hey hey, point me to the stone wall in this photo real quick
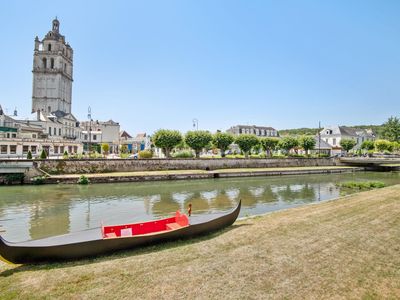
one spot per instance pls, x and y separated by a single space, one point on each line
130 165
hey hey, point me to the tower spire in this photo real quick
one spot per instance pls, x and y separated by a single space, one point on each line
56 25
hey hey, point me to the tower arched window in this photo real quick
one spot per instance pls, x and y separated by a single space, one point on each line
52 63
49 47
44 62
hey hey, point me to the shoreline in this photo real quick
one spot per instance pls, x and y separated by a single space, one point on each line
333 249
197 174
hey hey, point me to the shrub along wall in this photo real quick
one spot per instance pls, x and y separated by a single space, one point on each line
130 165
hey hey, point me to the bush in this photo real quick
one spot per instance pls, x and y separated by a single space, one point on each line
145 154
83 180
363 185
65 154
38 180
43 154
383 145
29 155
183 154
14 177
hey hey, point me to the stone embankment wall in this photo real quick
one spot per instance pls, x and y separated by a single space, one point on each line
130 165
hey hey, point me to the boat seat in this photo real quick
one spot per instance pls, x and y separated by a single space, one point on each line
126 232
172 226
111 235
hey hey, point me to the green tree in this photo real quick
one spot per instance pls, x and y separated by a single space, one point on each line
197 140
65 154
43 154
368 145
105 147
391 129
347 144
166 140
396 146
222 140
124 149
287 143
246 142
269 144
383 145
307 143
29 155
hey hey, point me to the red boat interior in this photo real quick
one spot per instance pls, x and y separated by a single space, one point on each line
126 230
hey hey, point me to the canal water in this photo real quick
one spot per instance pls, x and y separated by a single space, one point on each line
33 212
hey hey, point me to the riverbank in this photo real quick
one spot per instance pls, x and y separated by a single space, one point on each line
197 174
346 248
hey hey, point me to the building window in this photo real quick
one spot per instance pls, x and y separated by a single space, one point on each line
49 47
49 130
25 149
55 149
334 141
13 135
3 149
49 108
55 131
59 131
61 149
94 137
33 149
34 136
52 63
13 149
70 149
44 60
76 149
85 137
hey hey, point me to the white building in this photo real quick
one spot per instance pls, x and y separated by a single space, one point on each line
260 131
334 134
96 133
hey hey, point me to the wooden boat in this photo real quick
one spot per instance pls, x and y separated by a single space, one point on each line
108 239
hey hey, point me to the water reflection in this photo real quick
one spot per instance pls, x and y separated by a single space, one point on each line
31 212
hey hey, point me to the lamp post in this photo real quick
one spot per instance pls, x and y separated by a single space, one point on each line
195 124
319 139
90 129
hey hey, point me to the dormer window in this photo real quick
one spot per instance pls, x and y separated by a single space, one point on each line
49 47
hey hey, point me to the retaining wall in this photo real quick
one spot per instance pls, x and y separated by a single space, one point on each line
129 165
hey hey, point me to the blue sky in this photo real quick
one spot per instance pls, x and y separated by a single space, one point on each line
159 64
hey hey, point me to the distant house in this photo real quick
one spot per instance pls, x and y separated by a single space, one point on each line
135 144
334 134
260 131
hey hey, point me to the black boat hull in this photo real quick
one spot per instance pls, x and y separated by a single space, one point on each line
29 252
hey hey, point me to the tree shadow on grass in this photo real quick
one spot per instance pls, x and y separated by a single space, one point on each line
120 254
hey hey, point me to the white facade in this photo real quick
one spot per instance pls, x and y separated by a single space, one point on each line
260 131
334 134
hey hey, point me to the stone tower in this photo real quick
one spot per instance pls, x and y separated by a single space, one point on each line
52 73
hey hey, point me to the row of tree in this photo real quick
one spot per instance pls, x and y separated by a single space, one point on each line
198 140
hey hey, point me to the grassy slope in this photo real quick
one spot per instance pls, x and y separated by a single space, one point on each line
348 248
